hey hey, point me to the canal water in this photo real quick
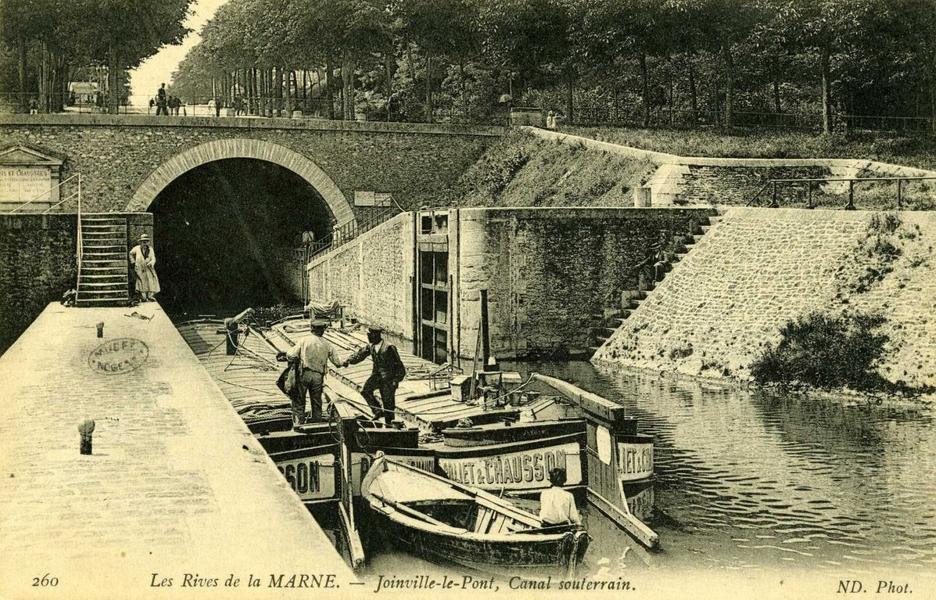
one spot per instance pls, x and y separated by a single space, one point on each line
750 481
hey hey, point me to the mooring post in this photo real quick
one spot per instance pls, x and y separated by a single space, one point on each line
485 339
86 428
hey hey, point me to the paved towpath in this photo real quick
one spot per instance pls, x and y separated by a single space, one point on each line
176 485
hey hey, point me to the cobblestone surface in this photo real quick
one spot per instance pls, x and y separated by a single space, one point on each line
176 484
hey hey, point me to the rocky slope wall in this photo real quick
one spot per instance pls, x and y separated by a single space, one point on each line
757 269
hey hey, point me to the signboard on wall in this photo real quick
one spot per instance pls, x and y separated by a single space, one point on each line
19 184
369 198
28 175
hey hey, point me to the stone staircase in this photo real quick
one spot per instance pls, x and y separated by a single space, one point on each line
606 323
103 277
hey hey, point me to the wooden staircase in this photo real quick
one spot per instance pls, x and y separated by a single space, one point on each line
606 323
104 271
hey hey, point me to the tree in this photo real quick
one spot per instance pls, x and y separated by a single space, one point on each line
124 32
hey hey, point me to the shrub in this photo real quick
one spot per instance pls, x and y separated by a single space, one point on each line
825 352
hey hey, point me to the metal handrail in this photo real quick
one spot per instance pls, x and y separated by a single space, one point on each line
850 205
350 230
80 242
48 192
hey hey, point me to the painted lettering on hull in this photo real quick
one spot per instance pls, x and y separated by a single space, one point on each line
312 478
516 470
635 461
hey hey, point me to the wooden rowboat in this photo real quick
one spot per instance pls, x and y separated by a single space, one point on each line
444 521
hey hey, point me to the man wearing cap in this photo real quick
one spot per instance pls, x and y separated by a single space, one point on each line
387 374
143 260
313 354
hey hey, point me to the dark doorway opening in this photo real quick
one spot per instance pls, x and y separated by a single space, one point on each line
228 235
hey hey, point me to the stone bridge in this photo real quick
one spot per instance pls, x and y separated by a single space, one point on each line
126 160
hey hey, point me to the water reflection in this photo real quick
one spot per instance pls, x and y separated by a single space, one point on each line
747 480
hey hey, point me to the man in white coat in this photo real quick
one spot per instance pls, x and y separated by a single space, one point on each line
143 260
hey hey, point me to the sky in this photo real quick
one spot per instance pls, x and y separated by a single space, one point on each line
157 69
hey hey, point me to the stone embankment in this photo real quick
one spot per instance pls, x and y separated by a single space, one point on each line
757 269
674 179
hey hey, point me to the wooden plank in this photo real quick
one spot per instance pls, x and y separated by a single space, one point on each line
353 539
633 526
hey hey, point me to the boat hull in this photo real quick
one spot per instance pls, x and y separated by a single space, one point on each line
551 555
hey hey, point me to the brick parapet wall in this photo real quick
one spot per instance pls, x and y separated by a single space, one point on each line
419 165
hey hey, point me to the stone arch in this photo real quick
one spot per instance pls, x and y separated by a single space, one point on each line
242 148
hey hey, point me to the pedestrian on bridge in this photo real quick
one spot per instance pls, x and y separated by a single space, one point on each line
387 373
143 261
162 101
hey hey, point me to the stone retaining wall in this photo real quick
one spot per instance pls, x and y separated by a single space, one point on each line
757 269
38 264
548 271
371 276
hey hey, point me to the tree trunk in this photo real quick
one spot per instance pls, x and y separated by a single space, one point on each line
570 96
329 90
729 85
429 110
693 97
826 95
645 89
347 87
43 78
388 71
464 89
113 95
21 72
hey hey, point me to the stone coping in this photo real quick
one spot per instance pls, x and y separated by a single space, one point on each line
709 161
310 124
176 483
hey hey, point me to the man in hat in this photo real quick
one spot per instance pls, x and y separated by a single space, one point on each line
143 260
313 354
387 373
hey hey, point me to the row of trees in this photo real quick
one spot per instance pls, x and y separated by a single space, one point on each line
639 61
45 42
640 58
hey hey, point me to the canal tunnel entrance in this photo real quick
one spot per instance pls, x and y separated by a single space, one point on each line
229 233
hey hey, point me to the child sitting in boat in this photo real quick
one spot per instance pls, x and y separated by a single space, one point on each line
557 506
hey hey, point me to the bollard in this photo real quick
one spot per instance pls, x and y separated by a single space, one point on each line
100 329
86 428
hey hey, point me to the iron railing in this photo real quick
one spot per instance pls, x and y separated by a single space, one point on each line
810 183
342 234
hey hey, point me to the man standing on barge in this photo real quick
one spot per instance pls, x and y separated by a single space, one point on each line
313 354
387 374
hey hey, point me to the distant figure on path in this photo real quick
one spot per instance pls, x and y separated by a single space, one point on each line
143 260
557 506
313 354
387 373
162 101
33 106
217 102
551 121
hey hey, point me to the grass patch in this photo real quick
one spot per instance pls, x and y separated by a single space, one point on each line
826 352
524 170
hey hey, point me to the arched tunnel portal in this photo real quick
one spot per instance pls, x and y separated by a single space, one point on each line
229 233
